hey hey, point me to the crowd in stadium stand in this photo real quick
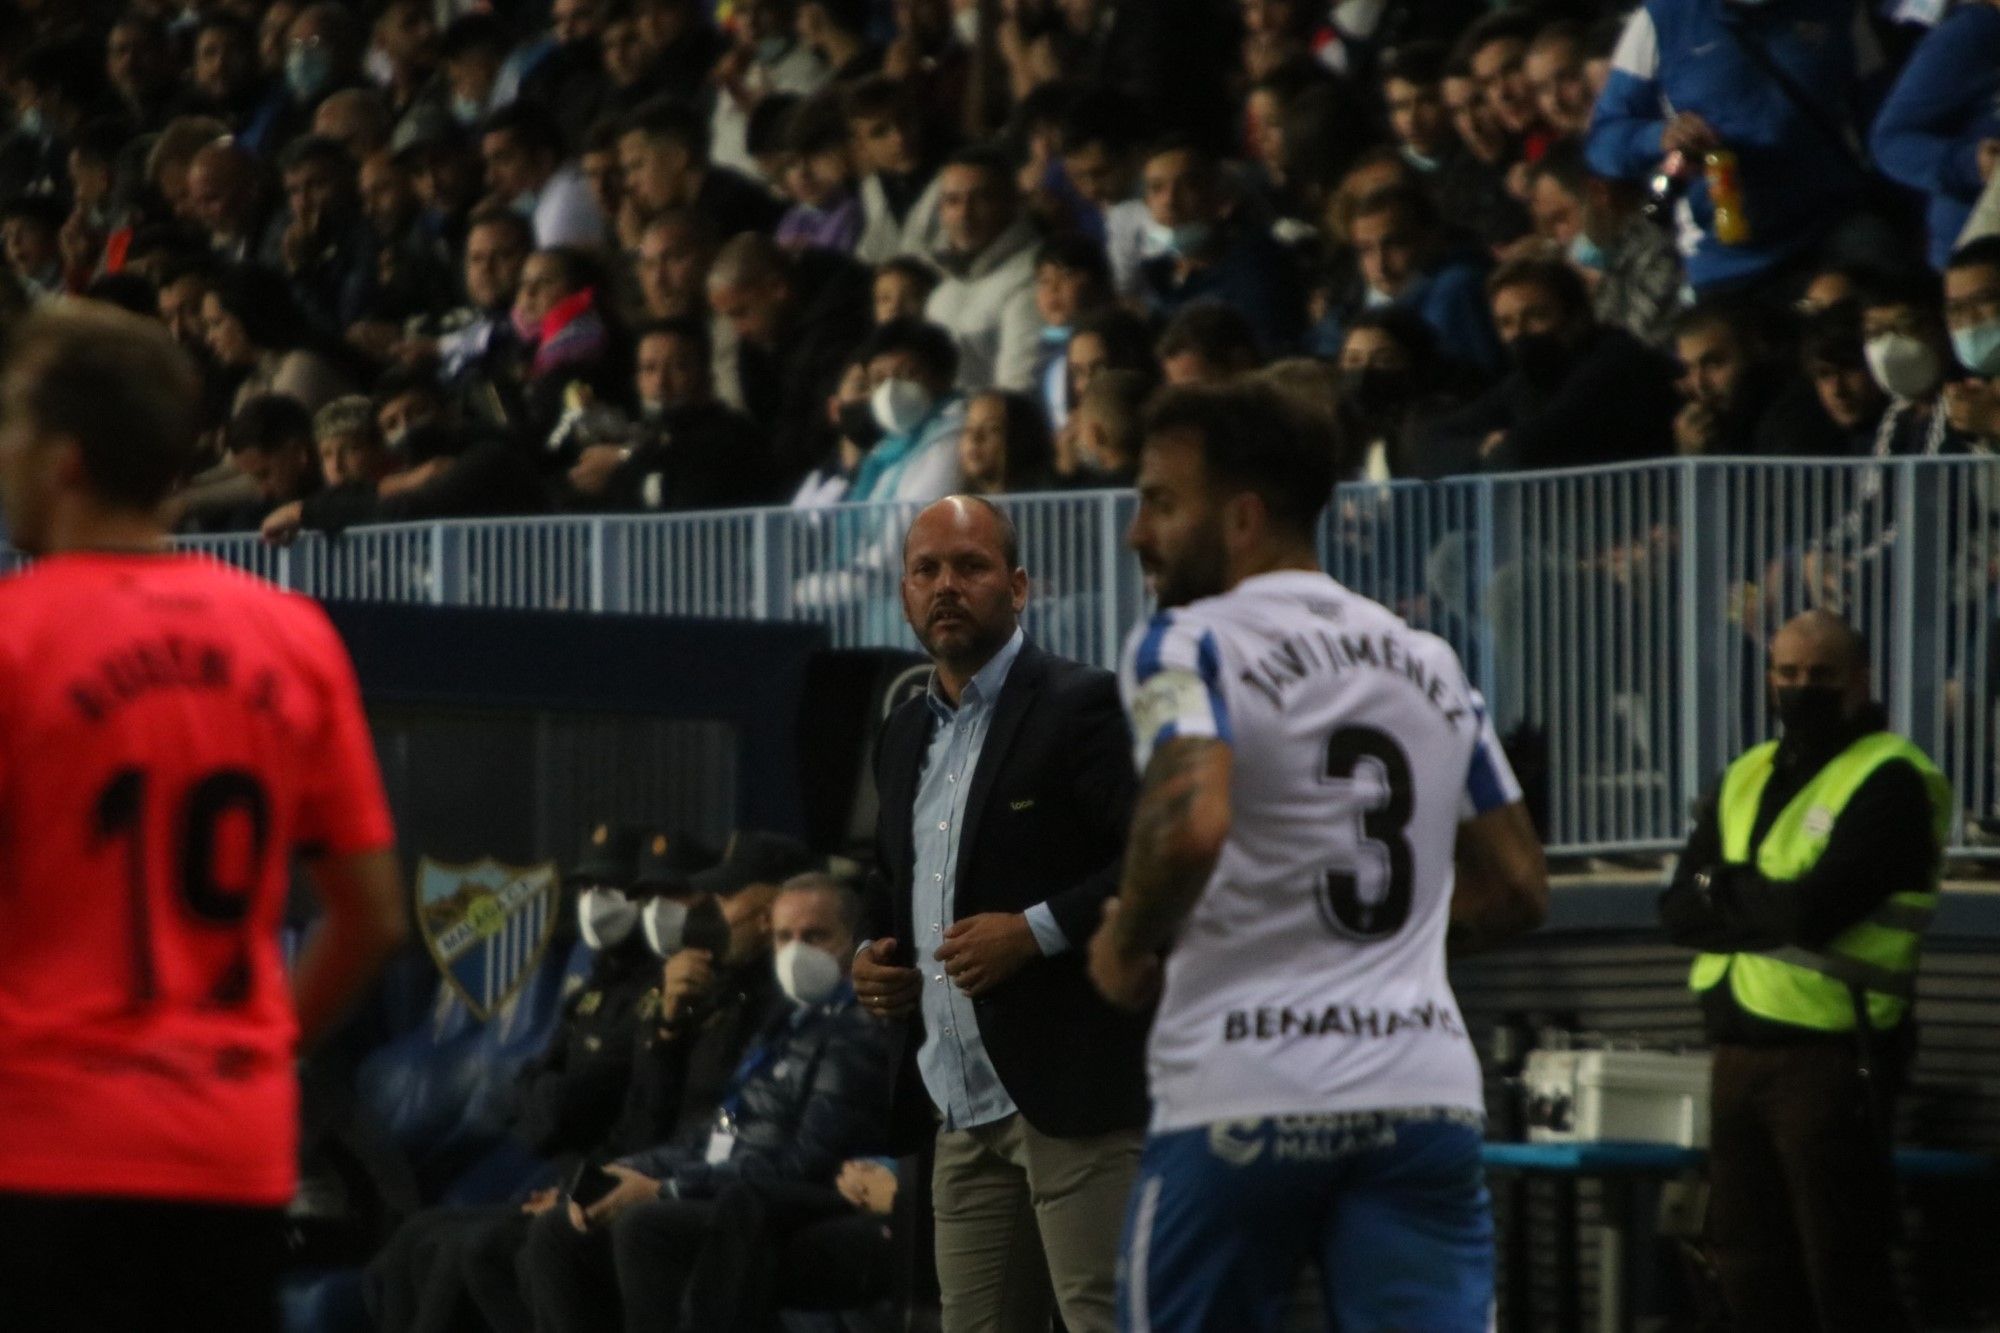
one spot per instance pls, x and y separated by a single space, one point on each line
442 258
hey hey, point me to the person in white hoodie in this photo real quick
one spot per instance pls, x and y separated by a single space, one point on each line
987 298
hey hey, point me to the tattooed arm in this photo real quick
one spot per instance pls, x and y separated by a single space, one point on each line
1178 828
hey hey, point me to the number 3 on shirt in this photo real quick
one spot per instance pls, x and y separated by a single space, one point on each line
120 812
1379 842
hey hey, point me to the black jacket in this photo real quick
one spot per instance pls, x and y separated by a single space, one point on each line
821 1097
569 1095
787 384
680 1072
1613 402
1045 821
1880 845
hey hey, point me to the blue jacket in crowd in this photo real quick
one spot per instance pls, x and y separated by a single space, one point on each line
1928 131
1451 299
1797 177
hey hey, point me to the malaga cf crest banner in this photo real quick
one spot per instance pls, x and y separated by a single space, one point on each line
486 924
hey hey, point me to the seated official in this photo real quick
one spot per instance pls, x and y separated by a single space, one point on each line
811 1091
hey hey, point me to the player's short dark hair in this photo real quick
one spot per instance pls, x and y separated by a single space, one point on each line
268 422
929 343
1252 439
118 385
672 120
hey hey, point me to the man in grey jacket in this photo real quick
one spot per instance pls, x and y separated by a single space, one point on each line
987 298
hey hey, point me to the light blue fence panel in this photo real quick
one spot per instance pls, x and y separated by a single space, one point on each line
1617 619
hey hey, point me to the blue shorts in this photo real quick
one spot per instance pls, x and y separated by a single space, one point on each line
1391 1205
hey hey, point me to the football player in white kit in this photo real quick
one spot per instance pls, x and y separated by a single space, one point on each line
1324 799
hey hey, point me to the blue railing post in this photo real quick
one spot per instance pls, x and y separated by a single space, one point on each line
1706 693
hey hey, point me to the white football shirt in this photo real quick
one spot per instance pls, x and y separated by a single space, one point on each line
1310 975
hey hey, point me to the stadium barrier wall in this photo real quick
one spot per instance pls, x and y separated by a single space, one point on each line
1615 618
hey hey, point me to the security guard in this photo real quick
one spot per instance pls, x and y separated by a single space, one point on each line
1807 883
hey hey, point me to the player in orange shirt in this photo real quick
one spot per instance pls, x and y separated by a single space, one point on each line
171 733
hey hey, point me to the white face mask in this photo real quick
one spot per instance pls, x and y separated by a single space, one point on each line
1903 365
806 975
900 405
605 917
665 923
965 22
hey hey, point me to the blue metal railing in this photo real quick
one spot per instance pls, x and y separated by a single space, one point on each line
1618 615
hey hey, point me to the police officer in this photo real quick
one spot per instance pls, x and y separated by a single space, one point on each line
1807 883
567 1097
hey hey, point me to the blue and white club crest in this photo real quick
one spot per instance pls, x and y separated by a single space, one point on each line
486 925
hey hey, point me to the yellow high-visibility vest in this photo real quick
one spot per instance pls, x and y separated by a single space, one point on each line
1810 988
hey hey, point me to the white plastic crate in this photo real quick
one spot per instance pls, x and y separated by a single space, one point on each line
1627 1096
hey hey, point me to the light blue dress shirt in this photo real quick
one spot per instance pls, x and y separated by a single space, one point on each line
956 1071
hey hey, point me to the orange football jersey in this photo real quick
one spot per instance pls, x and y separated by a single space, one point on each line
171 732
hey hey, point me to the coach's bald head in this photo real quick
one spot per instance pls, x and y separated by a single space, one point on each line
963 587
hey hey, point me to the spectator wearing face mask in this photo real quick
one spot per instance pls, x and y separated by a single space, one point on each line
472 53
851 416
1630 265
1392 383
1939 128
1576 394
1405 259
1972 314
912 368
1908 351
686 450
811 1091
1200 251
565 1097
